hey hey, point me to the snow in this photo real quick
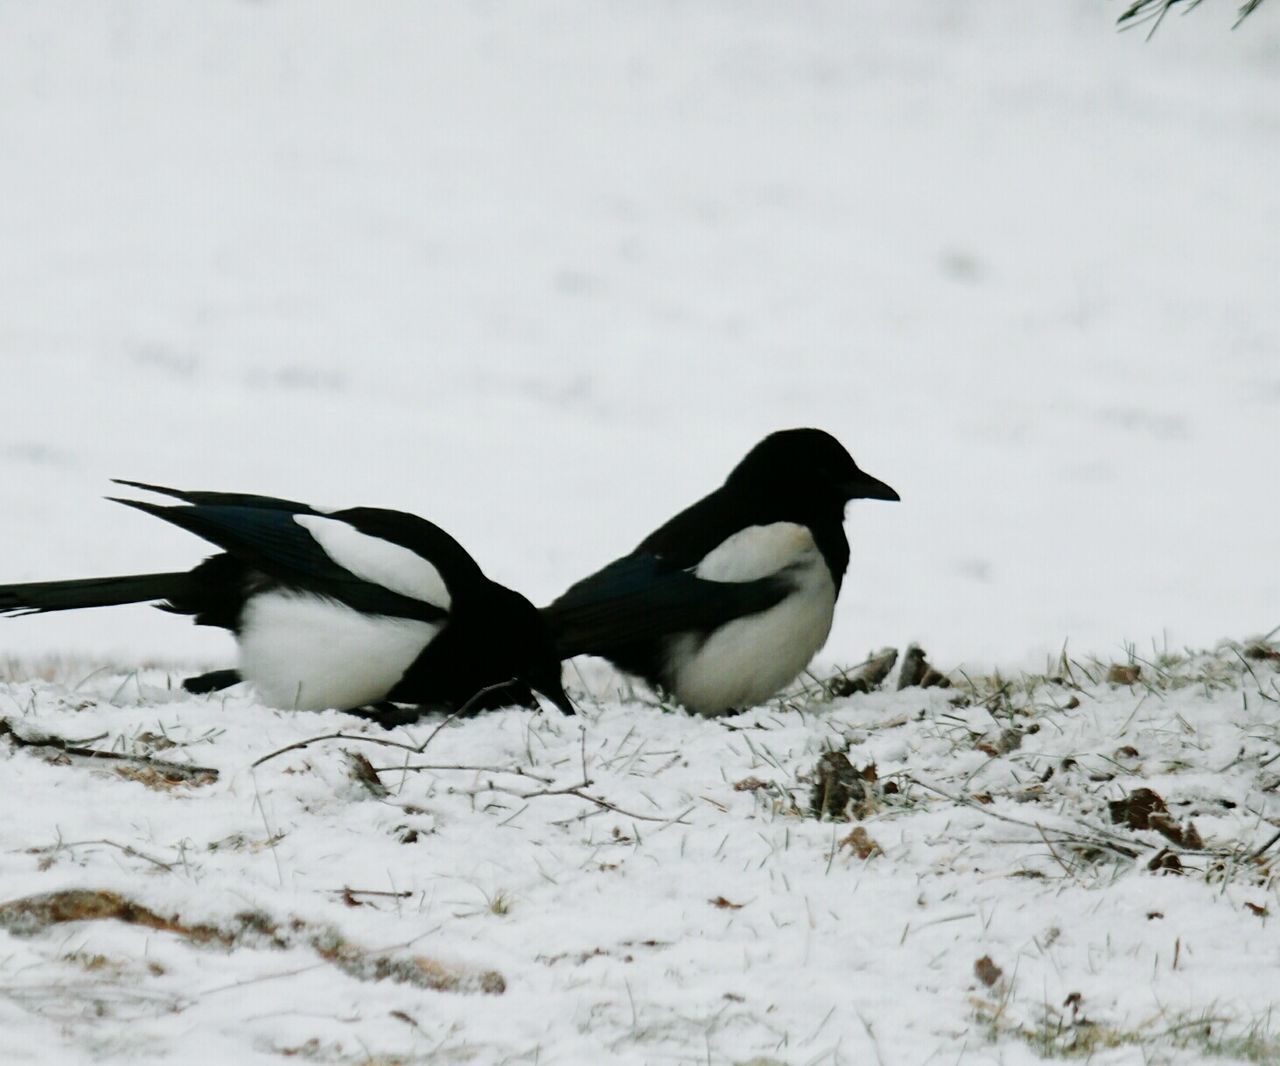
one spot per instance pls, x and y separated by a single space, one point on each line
704 915
543 274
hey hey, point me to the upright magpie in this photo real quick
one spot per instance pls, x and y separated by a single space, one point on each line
727 602
343 609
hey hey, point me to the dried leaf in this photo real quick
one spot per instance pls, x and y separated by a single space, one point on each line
838 789
158 741
862 843
1006 741
934 678
1135 809
1124 674
725 905
840 687
31 915
867 677
163 780
361 770
987 971
1185 836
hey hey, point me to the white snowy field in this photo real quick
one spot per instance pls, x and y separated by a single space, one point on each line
487 904
543 273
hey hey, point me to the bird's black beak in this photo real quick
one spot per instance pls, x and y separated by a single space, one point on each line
865 487
554 691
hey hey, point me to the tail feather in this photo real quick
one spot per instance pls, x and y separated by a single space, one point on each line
217 499
42 596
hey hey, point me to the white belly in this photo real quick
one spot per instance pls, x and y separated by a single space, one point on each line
748 660
305 652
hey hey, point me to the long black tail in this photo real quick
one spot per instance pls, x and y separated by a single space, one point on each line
92 592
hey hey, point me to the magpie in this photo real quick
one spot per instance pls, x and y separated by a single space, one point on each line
344 609
727 602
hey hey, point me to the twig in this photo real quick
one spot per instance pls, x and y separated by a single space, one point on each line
1053 852
297 745
1258 851
370 892
128 849
448 718
164 766
576 792
1154 11
272 839
416 749
1102 840
518 771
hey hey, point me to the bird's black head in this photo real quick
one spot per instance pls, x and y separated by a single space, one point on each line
521 646
807 465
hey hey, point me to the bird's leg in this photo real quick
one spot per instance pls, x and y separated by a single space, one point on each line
390 715
491 698
215 681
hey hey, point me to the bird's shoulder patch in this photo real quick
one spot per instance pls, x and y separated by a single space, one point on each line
380 562
758 551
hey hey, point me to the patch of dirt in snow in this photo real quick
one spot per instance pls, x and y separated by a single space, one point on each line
1079 862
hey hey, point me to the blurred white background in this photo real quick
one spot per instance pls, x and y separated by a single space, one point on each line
542 273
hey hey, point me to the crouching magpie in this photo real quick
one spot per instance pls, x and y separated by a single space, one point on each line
726 603
333 609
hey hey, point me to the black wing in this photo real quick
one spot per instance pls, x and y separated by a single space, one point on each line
642 597
407 530
267 539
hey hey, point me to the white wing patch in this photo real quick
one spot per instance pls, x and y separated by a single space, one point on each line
756 552
308 653
378 561
746 661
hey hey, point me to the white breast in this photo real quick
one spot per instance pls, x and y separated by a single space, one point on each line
748 660
306 652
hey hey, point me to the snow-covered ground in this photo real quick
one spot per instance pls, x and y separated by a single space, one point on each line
542 273
692 910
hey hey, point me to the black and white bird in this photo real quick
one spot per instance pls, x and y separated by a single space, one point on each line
726 603
333 609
